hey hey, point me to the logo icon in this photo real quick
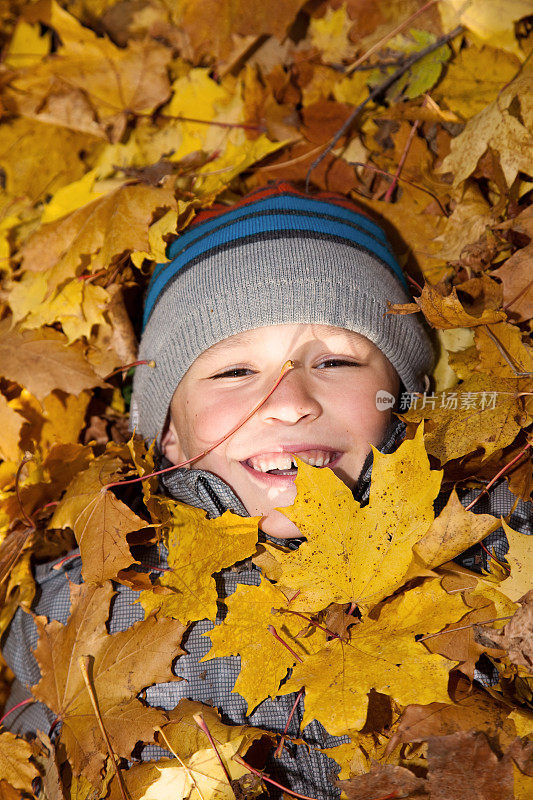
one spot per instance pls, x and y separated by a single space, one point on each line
384 400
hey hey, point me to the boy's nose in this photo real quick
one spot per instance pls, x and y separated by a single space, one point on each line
292 400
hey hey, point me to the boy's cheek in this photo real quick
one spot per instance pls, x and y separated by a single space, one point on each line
276 524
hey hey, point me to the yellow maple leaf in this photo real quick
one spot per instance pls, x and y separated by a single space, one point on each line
77 305
89 83
15 765
329 34
453 532
382 654
245 632
203 777
483 411
355 554
492 22
474 78
499 127
198 547
520 557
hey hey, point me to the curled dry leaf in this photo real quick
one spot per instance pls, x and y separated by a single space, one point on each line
516 637
100 520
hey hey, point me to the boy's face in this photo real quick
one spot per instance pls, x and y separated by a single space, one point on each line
324 410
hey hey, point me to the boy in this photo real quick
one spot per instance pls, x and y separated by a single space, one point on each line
281 275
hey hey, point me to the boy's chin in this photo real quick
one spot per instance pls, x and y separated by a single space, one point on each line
276 524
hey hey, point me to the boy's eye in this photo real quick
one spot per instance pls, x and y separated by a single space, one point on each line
238 372
336 362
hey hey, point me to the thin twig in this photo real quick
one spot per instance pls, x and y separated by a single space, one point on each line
498 475
387 37
19 705
185 767
403 158
379 90
83 662
507 356
403 180
275 634
463 627
279 748
288 365
269 780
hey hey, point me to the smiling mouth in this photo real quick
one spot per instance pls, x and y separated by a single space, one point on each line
284 465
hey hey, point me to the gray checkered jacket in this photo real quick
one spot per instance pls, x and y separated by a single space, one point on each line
300 768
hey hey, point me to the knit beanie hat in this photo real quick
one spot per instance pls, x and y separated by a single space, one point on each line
277 256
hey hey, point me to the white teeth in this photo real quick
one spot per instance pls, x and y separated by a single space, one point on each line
315 458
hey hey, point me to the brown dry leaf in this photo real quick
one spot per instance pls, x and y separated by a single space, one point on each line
445 310
517 635
113 225
464 645
515 273
121 665
233 17
89 84
100 520
453 532
385 780
464 765
477 710
42 361
481 412
15 765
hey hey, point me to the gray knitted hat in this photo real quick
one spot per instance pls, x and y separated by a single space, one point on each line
278 256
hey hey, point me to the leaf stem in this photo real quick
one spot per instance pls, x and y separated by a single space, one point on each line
125 367
83 662
275 634
375 47
203 727
286 367
25 517
19 705
400 178
310 621
269 780
498 475
463 627
279 749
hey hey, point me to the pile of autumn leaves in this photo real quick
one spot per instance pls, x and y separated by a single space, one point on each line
382 677
103 162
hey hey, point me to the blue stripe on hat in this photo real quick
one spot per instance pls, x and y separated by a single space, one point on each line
231 227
